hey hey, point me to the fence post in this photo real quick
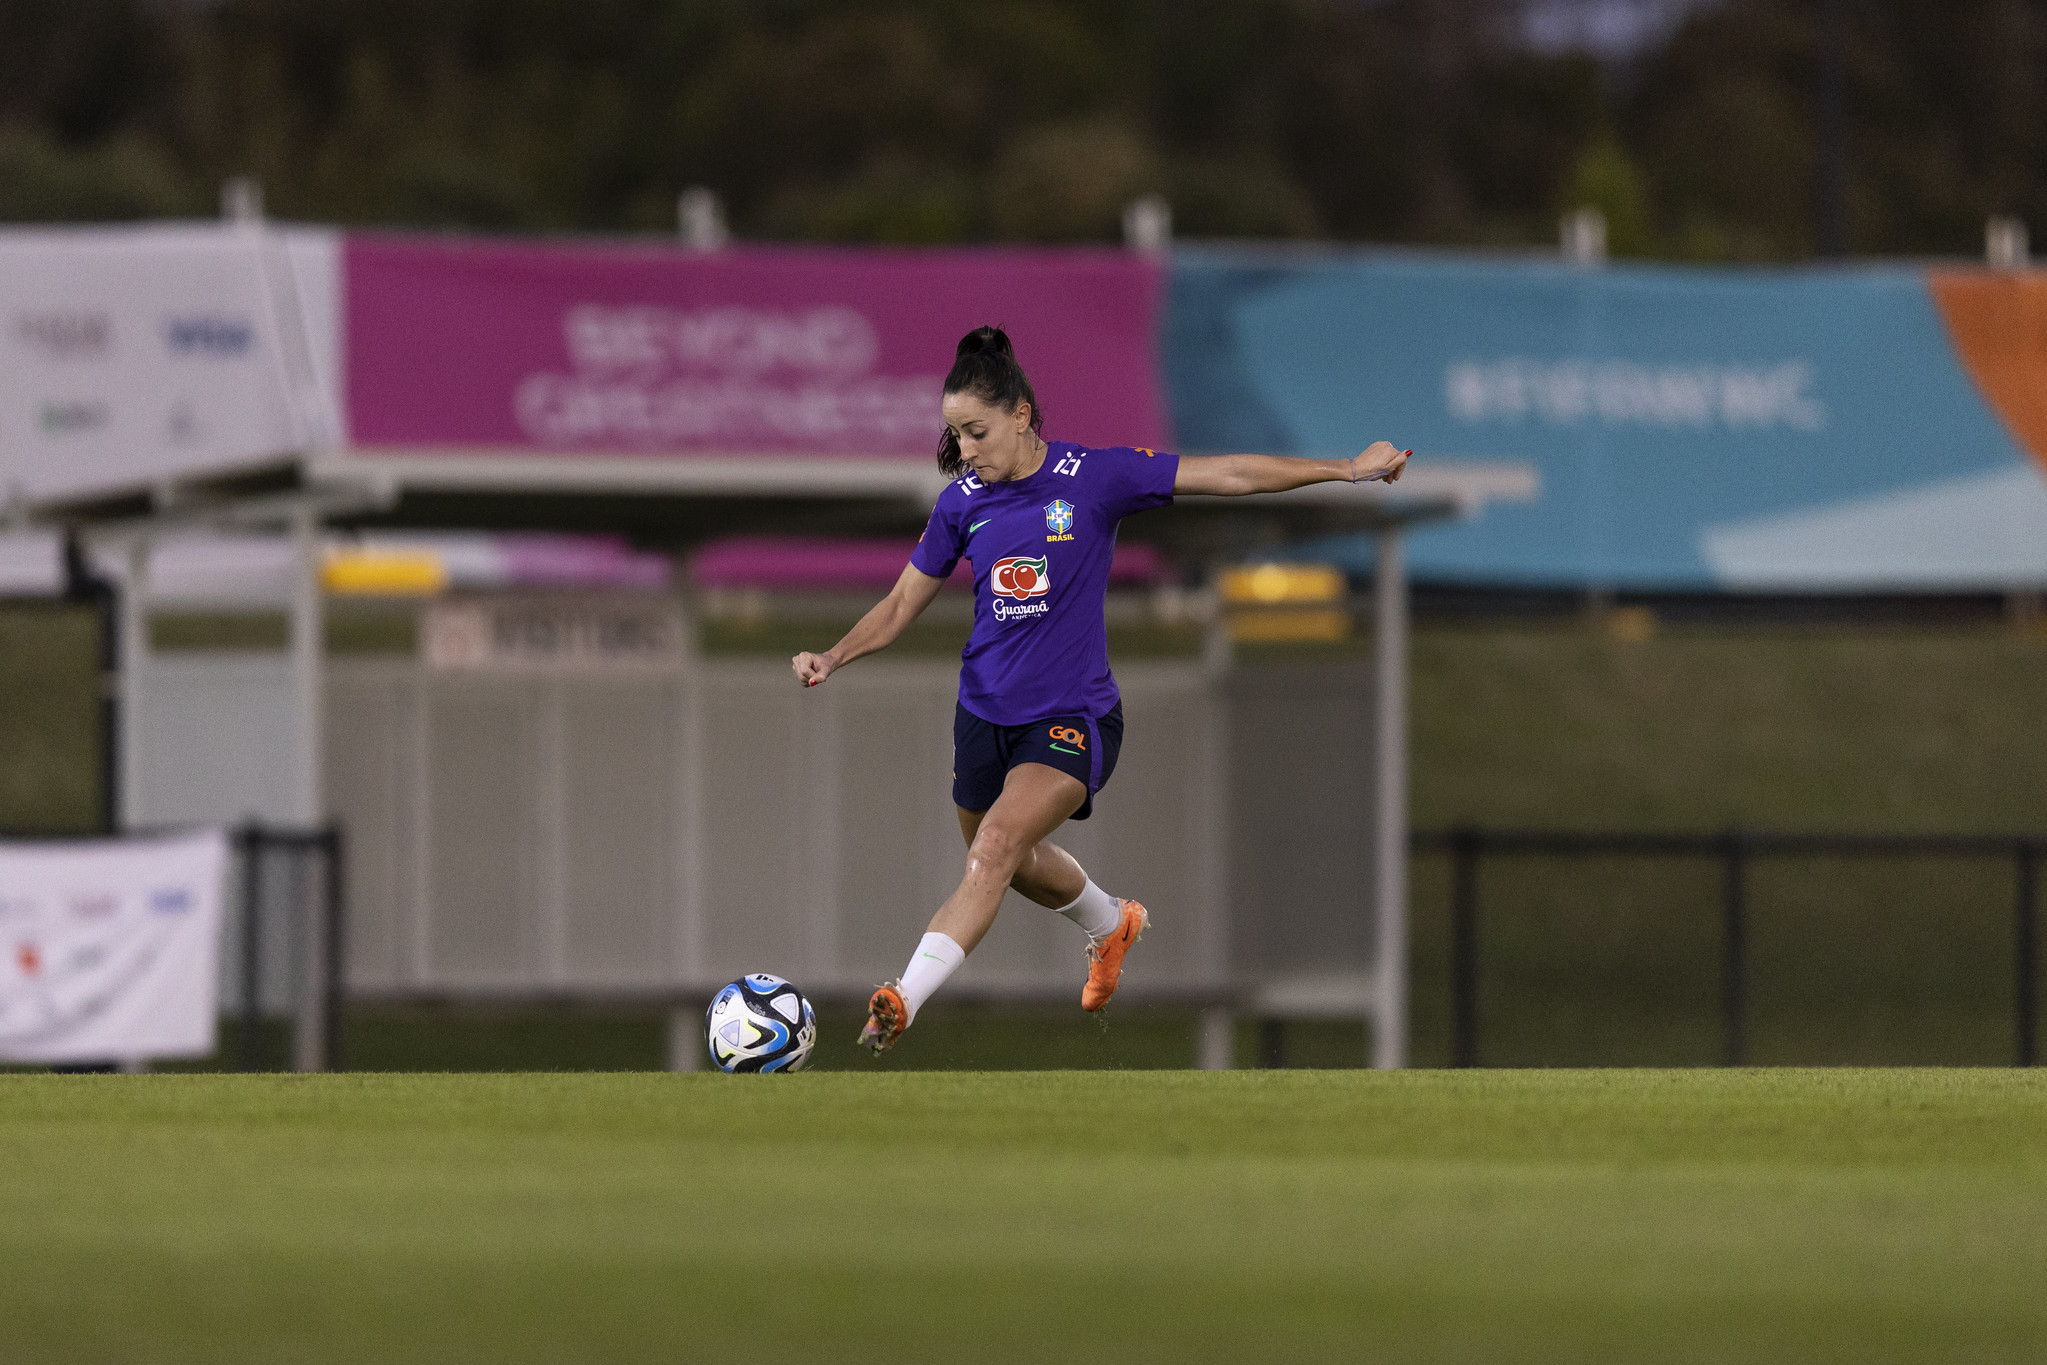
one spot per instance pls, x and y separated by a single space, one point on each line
2025 999
1217 1048
1734 950
332 845
1465 847
82 584
309 965
249 839
1272 1042
1391 951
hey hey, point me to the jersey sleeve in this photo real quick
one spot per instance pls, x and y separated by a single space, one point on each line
940 547
1134 478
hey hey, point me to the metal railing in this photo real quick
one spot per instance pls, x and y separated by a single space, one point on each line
1735 850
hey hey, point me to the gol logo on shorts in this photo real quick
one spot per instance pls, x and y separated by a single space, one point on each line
1019 577
1066 734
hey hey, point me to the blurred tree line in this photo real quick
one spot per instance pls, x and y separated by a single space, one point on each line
938 120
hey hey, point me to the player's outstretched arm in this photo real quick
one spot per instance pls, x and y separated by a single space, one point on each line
878 629
1236 475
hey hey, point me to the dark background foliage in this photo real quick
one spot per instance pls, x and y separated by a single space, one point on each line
934 120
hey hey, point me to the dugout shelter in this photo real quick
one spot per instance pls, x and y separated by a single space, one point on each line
591 820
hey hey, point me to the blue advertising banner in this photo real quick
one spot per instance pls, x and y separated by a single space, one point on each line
1694 428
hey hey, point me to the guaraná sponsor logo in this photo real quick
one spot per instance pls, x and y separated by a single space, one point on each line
1005 610
1019 577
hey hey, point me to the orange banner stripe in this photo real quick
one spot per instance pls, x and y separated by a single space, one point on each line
1998 322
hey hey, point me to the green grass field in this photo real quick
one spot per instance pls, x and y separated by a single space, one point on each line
1135 1216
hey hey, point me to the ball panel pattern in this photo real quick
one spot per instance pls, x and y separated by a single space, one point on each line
760 1023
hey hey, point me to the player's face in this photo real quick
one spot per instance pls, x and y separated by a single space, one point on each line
995 444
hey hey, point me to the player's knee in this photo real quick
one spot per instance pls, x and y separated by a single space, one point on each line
998 847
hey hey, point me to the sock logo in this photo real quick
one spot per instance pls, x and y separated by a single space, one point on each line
1019 577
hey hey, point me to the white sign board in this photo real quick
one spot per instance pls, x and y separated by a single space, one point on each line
129 356
110 948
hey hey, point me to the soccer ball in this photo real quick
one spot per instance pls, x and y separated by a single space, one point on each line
760 1023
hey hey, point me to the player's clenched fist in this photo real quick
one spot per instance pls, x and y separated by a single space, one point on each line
811 669
1380 461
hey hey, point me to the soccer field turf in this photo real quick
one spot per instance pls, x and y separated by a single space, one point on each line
1148 1216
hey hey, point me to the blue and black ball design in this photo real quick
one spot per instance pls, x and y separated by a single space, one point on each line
760 1023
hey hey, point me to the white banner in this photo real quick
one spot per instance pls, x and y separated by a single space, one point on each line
110 948
129 356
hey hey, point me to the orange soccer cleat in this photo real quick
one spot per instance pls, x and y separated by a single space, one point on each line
887 1017
1105 959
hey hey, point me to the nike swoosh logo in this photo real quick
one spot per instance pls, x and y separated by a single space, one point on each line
979 524
1064 750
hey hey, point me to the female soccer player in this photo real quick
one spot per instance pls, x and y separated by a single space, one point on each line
1039 721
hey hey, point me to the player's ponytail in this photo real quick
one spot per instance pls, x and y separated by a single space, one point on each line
985 366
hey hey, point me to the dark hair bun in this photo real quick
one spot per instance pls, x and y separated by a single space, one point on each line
985 366
985 339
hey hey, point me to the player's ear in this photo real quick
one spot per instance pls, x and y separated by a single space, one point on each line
1022 416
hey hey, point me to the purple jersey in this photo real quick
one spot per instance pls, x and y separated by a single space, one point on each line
1041 548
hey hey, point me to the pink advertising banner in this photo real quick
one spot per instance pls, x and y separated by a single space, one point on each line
465 345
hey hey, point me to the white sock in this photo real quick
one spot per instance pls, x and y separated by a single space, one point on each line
936 958
1095 910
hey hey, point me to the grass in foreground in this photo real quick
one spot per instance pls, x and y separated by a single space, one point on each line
1792 1215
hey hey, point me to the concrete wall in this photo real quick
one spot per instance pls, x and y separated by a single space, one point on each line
1301 817
670 832
662 833
217 748
217 737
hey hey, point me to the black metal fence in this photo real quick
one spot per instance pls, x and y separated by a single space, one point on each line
1735 851
291 881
